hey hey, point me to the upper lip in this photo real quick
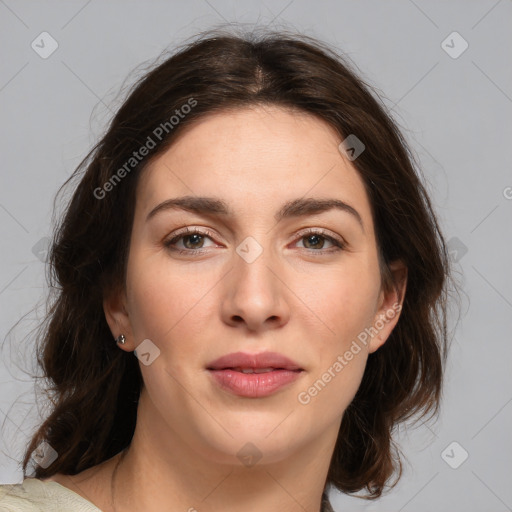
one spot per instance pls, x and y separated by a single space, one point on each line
262 360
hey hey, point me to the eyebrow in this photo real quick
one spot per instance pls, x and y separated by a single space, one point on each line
295 208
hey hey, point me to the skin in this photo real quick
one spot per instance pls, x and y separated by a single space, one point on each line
298 298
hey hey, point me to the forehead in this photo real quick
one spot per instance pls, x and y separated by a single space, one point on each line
256 157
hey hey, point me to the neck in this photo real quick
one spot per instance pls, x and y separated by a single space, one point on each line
158 472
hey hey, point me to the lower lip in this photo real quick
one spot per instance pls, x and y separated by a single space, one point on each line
254 385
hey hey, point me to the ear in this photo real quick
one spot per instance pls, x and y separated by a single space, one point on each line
116 314
389 306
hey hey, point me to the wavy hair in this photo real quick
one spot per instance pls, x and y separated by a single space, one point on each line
94 387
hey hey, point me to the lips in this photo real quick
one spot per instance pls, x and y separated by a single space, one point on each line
254 375
265 361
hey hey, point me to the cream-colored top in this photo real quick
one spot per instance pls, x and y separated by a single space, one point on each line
34 495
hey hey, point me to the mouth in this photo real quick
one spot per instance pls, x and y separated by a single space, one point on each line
254 375
254 363
254 370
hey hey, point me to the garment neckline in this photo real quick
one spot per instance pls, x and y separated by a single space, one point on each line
325 507
62 488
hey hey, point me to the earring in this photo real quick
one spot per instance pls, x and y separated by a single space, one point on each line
121 339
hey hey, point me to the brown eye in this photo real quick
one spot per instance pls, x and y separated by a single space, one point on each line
190 240
313 241
194 239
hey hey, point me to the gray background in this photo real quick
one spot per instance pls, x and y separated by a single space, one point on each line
455 112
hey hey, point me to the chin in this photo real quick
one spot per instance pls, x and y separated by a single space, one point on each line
249 441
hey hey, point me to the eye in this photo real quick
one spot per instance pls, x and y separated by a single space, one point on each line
314 240
192 240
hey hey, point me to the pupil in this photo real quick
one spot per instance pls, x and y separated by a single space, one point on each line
315 240
196 238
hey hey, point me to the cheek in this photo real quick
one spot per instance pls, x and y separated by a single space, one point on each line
341 356
333 389
340 302
344 305
166 303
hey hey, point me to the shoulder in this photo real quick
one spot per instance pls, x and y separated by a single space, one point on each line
35 495
15 498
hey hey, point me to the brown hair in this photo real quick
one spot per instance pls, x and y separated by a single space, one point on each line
94 387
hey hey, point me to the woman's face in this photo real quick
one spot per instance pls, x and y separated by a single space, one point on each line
260 270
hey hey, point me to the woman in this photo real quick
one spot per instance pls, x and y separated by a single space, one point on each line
252 228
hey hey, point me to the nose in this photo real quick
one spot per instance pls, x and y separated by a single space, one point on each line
254 297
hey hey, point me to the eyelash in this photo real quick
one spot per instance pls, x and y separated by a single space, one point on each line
338 244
